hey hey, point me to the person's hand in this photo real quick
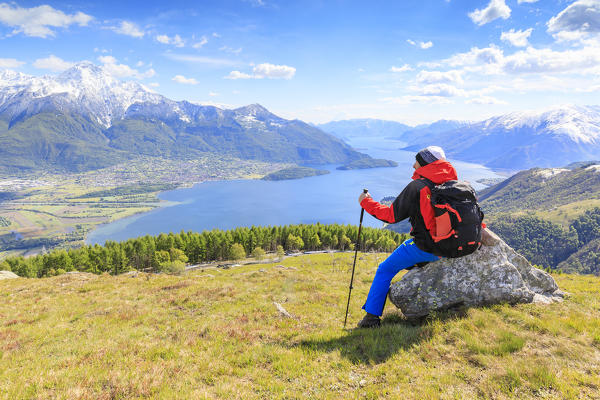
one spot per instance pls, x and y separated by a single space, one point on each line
363 196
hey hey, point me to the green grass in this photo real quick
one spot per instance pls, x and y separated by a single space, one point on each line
217 334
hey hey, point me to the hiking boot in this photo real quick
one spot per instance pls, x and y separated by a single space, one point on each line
370 321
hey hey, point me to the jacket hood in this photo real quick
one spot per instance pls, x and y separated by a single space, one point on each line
438 172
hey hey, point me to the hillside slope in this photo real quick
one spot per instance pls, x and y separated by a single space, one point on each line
544 189
585 261
217 333
549 214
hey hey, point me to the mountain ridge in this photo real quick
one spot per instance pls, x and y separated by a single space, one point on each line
550 137
522 140
85 119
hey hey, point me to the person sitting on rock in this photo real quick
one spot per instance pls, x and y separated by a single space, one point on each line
430 164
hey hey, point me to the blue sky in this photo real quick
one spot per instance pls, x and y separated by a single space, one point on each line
408 61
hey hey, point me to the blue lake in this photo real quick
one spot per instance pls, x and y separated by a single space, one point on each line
330 198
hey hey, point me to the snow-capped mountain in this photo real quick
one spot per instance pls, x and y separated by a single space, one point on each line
91 91
520 140
353 128
85 88
85 118
580 124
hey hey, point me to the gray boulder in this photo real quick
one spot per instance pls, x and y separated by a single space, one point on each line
493 274
8 275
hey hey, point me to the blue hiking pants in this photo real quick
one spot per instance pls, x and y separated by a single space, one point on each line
406 255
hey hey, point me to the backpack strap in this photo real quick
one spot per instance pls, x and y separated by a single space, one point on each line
426 208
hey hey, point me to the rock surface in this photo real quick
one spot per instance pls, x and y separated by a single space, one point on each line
8 275
493 274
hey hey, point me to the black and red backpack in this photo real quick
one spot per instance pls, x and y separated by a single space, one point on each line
458 218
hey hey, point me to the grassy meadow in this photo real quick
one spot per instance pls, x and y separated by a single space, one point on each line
216 333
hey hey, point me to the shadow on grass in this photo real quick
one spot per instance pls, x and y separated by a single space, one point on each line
376 345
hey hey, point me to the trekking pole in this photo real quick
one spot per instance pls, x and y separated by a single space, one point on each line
362 213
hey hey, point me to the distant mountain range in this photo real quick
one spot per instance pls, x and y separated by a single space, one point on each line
525 139
84 119
515 141
352 128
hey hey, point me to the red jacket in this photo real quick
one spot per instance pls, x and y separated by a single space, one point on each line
414 203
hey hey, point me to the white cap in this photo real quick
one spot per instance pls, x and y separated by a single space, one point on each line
437 152
429 155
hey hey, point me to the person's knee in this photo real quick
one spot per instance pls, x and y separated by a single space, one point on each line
387 267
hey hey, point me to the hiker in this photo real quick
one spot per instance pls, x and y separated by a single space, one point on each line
428 229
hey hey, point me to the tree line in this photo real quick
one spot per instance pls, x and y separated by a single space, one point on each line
170 252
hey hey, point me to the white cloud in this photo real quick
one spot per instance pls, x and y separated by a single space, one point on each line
271 71
431 77
184 80
10 63
256 3
492 60
517 38
176 40
403 68
111 65
196 59
534 60
230 50
442 90
527 1
53 63
409 99
567 36
423 45
213 94
496 9
265 70
238 75
199 44
164 39
580 16
129 29
485 100
154 84
39 21
475 56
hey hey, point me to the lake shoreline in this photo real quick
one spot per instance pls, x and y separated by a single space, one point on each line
183 199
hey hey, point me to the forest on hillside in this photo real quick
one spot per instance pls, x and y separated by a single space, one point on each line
547 244
170 252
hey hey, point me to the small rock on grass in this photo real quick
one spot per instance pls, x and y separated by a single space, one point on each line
8 275
283 311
